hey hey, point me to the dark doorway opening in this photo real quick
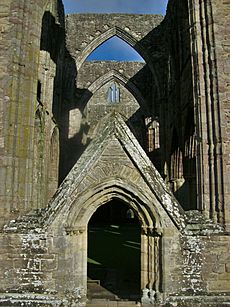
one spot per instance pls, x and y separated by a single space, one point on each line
114 246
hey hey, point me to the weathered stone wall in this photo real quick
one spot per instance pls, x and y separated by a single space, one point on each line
21 24
37 266
17 103
217 256
49 95
176 115
191 50
93 70
49 250
210 88
48 268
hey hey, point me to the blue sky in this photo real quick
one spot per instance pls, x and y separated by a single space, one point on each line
115 49
116 6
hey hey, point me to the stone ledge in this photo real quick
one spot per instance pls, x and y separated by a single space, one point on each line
200 300
30 299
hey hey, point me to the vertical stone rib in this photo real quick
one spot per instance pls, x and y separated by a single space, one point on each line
196 54
217 140
216 146
207 106
17 72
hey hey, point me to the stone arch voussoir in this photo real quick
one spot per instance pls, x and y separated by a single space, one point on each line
83 207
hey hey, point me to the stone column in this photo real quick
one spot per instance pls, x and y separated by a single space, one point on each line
150 265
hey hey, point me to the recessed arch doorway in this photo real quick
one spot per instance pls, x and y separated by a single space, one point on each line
148 218
129 176
114 252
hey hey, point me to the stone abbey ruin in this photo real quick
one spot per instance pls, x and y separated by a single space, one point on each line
78 136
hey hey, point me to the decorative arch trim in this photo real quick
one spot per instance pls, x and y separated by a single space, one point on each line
83 208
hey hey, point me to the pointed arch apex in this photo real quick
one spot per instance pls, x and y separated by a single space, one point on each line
121 78
104 192
126 37
94 44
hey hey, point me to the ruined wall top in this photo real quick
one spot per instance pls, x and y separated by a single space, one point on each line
137 24
85 32
93 70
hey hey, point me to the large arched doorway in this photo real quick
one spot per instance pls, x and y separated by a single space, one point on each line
79 220
114 252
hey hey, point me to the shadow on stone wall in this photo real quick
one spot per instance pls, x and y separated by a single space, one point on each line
75 97
52 36
72 147
160 84
65 92
49 96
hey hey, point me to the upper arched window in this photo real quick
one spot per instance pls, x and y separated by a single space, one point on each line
113 94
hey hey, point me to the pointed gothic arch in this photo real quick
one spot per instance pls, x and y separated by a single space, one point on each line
89 202
133 180
120 78
94 181
150 222
126 37
115 31
115 49
80 209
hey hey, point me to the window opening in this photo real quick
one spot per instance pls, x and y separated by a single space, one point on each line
113 95
115 49
153 133
39 91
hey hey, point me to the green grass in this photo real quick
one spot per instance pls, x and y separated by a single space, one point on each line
115 249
